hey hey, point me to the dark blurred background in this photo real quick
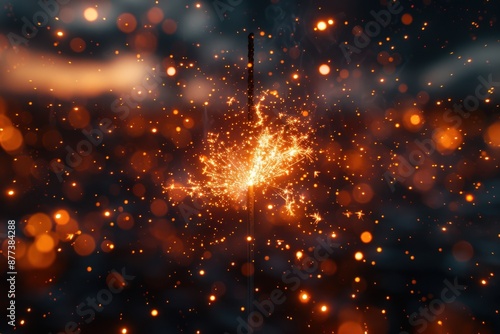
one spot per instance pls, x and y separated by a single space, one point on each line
149 80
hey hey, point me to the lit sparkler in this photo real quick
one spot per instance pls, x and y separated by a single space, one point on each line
270 152
260 155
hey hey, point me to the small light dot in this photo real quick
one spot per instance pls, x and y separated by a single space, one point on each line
304 297
321 25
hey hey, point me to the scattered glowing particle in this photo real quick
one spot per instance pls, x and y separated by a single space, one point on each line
299 255
10 192
304 297
107 213
212 298
403 88
171 71
270 206
90 14
202 272
492 135
379 249
330 22
344 74
317 217
357 279
155 15
483 282
44 243
84 244
249 238
124 331
295 76
358 256
469 197
324 69
60 33
89 269
126 22
407 19
324 308
321 25
154 312
61 217
415 119
366 237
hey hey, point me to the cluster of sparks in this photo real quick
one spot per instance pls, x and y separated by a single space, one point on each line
265 152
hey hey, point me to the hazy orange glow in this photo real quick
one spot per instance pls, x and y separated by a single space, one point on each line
66 78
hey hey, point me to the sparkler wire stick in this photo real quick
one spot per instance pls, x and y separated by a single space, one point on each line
250 193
